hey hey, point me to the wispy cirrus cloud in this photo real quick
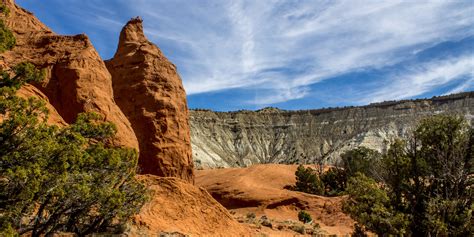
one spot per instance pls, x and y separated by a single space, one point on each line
423 78
281 49
284 46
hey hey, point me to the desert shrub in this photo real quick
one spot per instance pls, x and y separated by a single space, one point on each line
69 179
289 187
23 73
359 231
4 9
363 160
304 217
370 205
427 187
316 226
7 39
266 222
307 180
334 181
251 215
298 228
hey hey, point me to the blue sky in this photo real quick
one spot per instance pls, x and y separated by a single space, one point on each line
290 54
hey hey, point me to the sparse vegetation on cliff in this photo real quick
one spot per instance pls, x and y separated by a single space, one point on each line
7 40
70 179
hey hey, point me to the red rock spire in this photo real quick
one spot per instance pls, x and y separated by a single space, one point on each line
149 91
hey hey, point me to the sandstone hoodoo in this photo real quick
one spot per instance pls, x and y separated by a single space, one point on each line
76 80
150 93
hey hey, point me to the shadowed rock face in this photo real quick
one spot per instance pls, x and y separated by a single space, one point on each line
233 139
149 91
76 80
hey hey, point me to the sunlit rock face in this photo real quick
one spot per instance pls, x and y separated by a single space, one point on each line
149 91
76 80
229 139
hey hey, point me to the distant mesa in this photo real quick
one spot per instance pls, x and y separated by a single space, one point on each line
271 135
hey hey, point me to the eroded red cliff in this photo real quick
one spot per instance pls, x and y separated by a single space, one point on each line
77 79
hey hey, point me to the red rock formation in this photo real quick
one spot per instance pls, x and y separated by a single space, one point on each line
77 79
177 206
149 91
53 117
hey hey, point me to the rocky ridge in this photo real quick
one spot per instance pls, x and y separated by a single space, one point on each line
243 138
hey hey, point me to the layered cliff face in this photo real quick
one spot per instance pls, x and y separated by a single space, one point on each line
229 139
149 91
76 80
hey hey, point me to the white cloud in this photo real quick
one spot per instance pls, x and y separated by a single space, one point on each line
284 94
463 86
424 78
285 46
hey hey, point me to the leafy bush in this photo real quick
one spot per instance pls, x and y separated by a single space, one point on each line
307 181
23 73
264 221
53 179
304 217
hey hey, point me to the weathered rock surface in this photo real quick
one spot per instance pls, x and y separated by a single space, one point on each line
177 206
232 139
77 79
149 91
